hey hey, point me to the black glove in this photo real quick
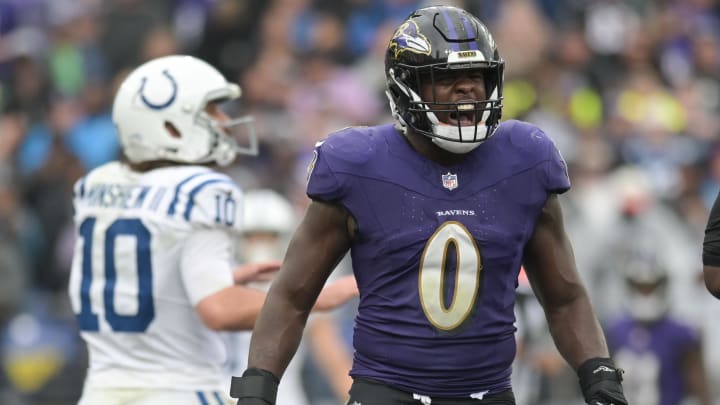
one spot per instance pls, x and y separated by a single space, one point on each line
600 382
255 387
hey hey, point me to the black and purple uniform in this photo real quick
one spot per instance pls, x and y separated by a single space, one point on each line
438 251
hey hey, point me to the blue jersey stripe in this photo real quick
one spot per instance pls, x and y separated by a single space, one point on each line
201 397
142 196
217 397
193 192
176 196
171 209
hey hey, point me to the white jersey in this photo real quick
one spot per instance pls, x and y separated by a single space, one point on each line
137 274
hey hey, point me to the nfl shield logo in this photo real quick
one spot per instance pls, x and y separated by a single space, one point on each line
450 181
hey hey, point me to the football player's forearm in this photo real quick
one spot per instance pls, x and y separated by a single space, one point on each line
577 332
231 309
277 335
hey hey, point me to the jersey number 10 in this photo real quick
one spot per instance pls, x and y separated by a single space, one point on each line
139 322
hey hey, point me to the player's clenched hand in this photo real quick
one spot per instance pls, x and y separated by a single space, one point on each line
256 272
601 381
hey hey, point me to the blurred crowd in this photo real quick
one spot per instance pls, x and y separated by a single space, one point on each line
628 89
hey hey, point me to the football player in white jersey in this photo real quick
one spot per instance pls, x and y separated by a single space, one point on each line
152 275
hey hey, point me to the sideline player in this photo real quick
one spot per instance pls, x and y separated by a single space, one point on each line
662 353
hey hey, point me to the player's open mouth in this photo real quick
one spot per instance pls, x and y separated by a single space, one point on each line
465 115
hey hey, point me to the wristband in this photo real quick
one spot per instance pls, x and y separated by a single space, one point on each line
255 383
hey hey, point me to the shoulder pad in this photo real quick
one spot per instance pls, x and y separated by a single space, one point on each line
342 153
537 149
207 199
352 145
528 137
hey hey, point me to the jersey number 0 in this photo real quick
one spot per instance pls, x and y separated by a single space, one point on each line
133 228
431 283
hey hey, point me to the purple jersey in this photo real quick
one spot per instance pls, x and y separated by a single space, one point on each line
438 251
652 358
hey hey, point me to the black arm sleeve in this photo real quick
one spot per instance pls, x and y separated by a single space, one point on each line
711 244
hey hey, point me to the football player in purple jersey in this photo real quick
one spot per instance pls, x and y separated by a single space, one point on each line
438 210
661 352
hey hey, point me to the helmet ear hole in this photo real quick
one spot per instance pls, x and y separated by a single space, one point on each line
172 130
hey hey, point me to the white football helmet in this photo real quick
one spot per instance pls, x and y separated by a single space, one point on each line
268 211
268 222
647 285
159 111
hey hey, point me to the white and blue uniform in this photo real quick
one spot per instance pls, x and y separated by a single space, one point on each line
150 247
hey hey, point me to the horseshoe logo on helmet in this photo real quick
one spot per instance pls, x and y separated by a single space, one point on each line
159 106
